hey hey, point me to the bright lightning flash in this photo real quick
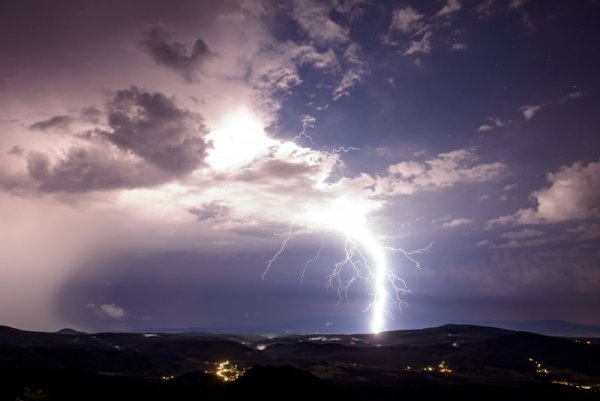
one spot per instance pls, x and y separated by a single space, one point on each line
380 271
237 141
364 255
349 219
240 139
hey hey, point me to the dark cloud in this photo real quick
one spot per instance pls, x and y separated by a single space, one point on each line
62 122
59 123
174 55
82 170
155 141
274 169
209 211
153 127
91 114
16 150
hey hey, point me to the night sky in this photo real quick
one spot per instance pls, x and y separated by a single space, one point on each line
155 156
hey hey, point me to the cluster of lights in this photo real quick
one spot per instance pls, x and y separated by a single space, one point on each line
442 368
538 366
579 386
228 372
170 377
540 369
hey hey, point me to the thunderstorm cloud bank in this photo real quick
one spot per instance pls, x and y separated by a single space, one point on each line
151 165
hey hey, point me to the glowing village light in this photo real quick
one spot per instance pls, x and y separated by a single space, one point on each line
228 372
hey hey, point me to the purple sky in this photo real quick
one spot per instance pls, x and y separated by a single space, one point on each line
155 155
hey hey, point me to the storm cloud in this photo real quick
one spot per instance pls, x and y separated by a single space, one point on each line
61 123
151 140
152 126
143 130
89 169
174 55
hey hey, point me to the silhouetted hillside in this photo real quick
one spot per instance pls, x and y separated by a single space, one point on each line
464 361
551 328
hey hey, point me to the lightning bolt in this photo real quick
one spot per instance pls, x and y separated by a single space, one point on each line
311 261
308 122
288 237
240 140
364 259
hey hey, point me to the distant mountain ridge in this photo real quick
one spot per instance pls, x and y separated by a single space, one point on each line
70 332
351 325
549 327
348 325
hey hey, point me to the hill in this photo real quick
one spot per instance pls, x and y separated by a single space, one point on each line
465 361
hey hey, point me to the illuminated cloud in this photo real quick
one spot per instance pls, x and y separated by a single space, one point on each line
573 194
414 33
517 3
407 20
108 310
530 110
458 46
451 6
357 68
237 141
491 123
313 17
445 170
528 243
308 55
457 223
422 45
525 233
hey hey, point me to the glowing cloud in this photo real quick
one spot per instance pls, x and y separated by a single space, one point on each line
237 141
